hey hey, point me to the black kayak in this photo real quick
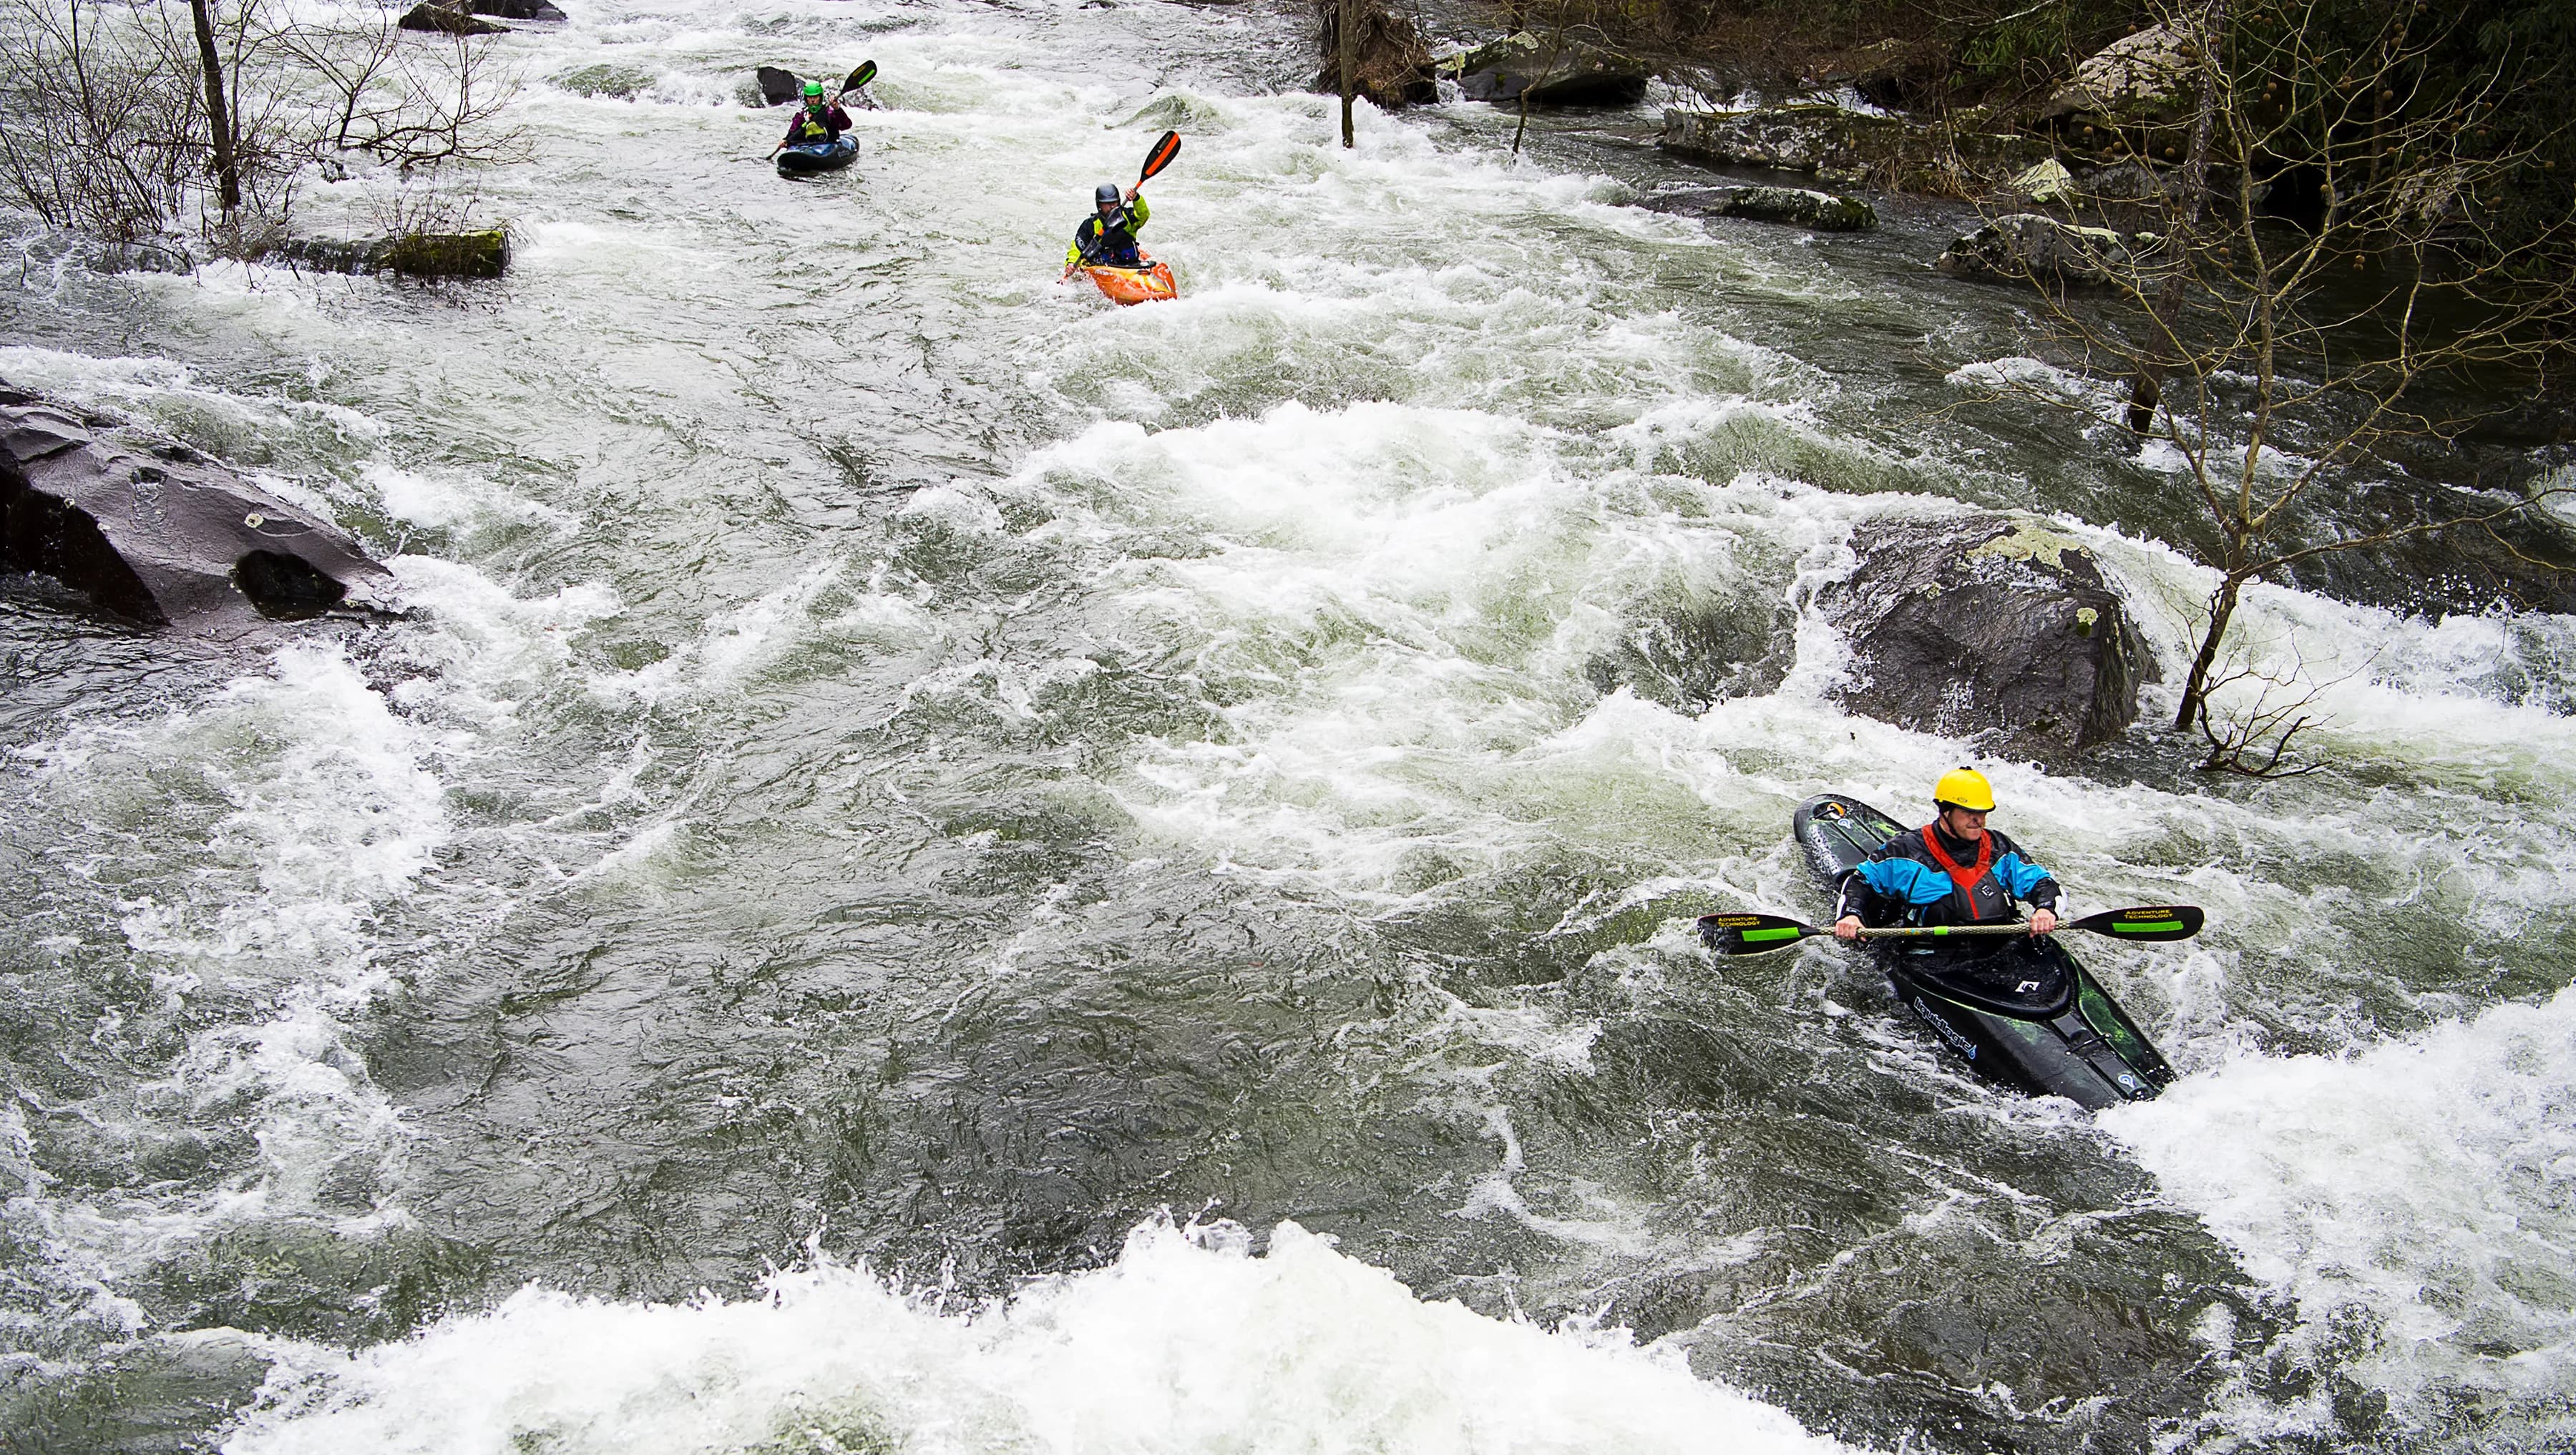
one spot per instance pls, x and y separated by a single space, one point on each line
2026 1013
828 156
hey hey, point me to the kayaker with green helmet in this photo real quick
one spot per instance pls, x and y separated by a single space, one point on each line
1107 238
1953 870
819 121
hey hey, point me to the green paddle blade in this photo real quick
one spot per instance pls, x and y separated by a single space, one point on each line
1161 156
2143 922
866 72
1751 934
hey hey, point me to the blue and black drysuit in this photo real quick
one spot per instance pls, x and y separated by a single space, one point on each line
1925 877
1109 242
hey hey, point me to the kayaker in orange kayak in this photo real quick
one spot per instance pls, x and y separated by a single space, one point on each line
1107 238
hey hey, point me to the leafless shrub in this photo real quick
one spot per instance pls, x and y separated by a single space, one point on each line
90 137
106 126
409 99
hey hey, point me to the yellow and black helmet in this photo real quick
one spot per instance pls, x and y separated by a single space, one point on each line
1964 787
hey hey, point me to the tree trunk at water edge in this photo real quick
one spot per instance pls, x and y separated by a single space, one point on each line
219 121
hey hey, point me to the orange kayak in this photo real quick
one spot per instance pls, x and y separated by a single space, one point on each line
1151 283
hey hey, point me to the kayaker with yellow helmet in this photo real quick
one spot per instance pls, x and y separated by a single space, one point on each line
1953 870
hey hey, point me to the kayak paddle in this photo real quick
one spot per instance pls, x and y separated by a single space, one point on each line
1157 159
1759 934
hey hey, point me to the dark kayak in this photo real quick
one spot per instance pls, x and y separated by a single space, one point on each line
2025 1013
827 156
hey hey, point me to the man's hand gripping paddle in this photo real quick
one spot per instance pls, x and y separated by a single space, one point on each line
1168 147
866 72
1760 934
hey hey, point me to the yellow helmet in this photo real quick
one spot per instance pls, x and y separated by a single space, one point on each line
1965 787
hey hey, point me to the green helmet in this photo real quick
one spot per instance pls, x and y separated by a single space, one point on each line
813 90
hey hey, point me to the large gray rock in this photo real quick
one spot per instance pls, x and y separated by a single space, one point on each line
2026 247
1989 627
518 9
1551 70
2144 80
160 534
1851 146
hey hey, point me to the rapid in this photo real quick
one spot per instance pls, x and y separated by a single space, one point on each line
943 867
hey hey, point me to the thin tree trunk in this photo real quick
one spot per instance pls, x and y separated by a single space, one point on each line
219 120
1349 39
2147 390
2195 688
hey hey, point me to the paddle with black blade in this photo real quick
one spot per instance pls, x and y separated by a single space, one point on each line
1760 934
1164 149
866 72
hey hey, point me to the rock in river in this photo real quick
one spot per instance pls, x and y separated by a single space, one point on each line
1797 206
2026 246
1557 70
1987 626
160 534
1852 146
440 19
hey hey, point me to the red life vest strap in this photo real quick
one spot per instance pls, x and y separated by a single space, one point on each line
1965 876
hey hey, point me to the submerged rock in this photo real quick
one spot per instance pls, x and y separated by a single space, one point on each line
1572 69
2026 247
1987 626
446 20
161 534
1855 146
484 254
1394 60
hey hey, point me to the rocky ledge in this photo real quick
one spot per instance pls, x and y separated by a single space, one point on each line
158 534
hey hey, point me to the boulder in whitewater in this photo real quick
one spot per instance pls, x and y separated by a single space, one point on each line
440 19
2026 247
1574 68
1989 627
541 10
777 87
159 534
1394 61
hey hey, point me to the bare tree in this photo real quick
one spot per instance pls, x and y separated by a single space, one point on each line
2337 277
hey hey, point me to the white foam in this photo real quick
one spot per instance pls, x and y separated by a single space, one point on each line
1185 1345
2423 1185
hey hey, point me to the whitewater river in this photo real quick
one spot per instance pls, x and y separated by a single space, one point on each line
948 868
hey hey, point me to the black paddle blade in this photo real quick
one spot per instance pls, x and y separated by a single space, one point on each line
2143 922
1751 934
1161 156
866 72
